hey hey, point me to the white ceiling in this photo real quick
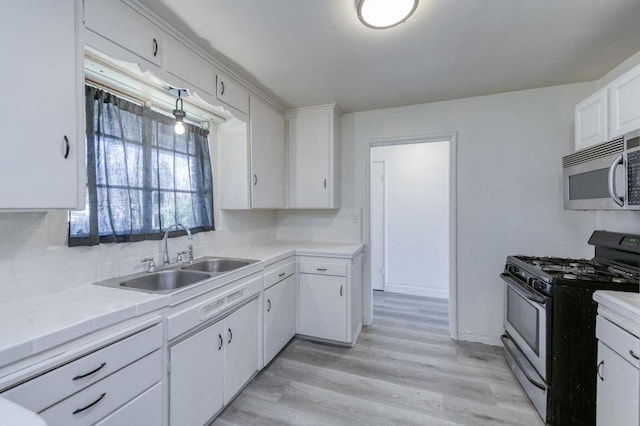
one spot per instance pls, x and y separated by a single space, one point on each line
310 52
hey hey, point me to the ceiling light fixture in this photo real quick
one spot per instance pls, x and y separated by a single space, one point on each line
383 14
179 114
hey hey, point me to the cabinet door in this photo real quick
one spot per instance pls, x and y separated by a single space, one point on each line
241 353
39 106
267 156
185 64
618 391
279 316
196 386
231 93
309 143
625 103
145 409
592 120
323 307
124 26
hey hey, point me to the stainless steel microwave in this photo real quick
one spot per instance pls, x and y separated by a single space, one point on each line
604 176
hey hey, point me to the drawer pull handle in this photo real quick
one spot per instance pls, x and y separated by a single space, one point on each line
340 291
220 343
281 274
600 364
155 47
634 355
222 88
66 147
230 336
268 305
90 372
80 410
321 269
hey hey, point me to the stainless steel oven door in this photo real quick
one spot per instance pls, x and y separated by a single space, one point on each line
525 321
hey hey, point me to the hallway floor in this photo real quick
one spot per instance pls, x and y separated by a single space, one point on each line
404 370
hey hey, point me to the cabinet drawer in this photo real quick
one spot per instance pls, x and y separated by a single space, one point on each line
338 270
145 409
624 343
105 396
278 273
49 388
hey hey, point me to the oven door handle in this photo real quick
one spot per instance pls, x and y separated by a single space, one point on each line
522 290
507 342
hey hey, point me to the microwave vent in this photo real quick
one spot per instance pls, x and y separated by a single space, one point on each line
599 151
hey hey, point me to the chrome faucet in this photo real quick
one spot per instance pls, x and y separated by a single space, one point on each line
165 259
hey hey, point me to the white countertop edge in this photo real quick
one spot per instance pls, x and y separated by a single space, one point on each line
110 306
622 308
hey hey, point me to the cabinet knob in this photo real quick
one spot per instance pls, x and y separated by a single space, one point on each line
219 341
325 184
268 305
230 335
255 179
221 88
340 291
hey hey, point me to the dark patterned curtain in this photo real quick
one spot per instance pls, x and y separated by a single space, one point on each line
141 176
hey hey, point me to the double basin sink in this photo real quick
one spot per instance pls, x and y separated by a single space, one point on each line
168 280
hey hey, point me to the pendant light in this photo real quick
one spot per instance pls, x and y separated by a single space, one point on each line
179 114
383 14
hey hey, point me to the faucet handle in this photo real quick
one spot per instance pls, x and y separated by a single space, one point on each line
151 266
179 257
190 253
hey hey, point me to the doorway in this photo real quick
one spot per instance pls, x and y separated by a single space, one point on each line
411 220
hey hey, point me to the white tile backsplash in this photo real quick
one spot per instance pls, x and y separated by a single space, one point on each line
34 258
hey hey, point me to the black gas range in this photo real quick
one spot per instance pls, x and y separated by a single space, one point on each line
550 318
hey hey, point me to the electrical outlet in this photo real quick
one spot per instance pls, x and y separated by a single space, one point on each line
355 216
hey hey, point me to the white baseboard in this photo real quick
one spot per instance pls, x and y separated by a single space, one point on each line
440 293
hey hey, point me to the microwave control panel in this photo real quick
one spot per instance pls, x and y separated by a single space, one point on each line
633 178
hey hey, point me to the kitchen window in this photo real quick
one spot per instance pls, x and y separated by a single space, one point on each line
141 176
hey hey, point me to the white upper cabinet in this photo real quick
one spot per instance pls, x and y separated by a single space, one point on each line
42 143
187 65
625 103
314 157
592 120
122 25
267 156
231 93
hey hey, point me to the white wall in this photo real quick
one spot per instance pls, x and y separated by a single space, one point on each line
417 220
337 226
509 184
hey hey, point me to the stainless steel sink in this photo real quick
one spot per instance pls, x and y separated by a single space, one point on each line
164 281
217 265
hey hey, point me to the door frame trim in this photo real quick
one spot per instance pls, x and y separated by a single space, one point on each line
384 222
452 138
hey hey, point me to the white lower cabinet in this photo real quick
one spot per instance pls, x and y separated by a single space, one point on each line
330 298
618 370
210 367
108 383
279 316
196 384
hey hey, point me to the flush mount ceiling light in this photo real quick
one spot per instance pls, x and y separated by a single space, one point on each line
179 114
382 14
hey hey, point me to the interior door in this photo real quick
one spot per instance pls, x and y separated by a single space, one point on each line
377 226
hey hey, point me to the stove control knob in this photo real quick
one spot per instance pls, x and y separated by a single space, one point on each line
537 284
511 269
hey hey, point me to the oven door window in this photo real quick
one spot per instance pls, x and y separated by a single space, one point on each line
524 318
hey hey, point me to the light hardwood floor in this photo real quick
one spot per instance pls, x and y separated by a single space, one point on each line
403 370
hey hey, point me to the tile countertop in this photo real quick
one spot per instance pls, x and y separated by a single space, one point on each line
621 308
32 325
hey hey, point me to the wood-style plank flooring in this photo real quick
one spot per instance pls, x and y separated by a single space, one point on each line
403 370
